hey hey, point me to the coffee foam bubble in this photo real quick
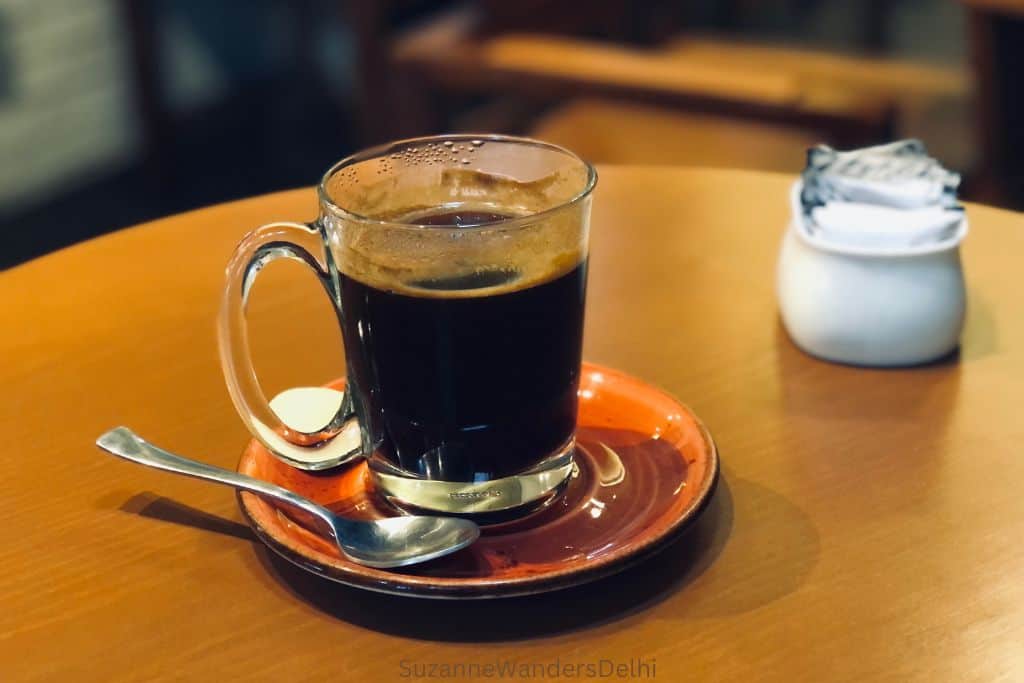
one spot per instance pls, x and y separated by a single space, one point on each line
450 262
391 253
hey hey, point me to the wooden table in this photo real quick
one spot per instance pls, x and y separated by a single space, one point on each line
868 526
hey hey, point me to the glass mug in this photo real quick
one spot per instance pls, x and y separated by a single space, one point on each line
457 266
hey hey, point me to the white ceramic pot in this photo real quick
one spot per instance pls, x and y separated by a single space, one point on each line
870 306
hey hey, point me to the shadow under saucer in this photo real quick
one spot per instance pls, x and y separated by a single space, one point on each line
590 605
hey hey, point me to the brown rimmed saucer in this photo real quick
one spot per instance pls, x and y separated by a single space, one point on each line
646 467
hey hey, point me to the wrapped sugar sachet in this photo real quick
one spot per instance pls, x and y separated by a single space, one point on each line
887 196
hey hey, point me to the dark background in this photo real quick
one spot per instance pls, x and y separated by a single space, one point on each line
114 112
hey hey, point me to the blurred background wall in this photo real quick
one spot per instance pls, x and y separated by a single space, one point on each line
113 112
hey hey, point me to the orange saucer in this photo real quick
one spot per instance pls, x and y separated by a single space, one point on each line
645 468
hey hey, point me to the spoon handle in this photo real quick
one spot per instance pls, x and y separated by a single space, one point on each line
124 443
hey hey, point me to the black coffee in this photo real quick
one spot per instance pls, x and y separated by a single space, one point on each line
466 388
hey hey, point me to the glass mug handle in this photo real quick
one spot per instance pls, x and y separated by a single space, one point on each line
329 433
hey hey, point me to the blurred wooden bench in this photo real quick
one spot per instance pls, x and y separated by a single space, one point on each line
447 57
690 100
606 131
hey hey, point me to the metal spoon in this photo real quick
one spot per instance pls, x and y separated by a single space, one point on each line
392 542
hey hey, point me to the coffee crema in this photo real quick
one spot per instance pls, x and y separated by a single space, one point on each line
473 227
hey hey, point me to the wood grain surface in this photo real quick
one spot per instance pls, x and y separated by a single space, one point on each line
868 525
